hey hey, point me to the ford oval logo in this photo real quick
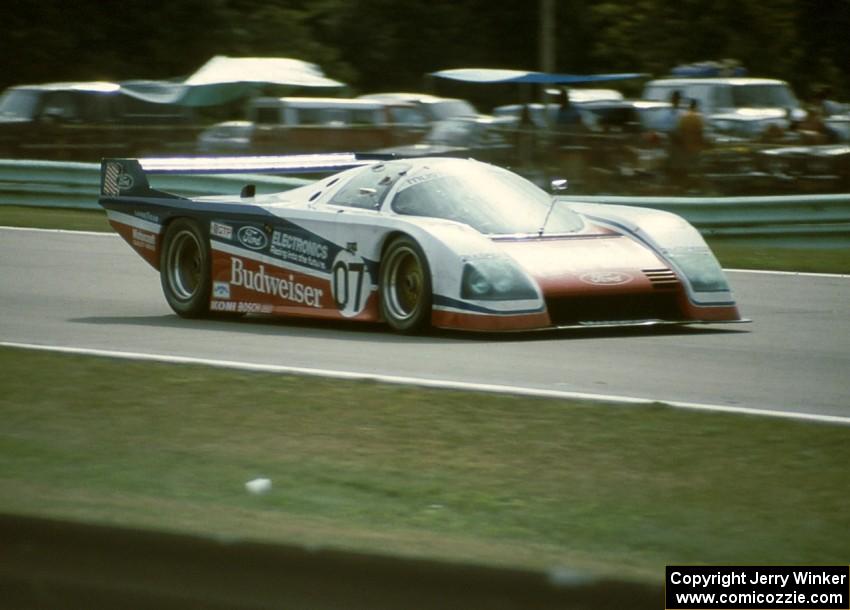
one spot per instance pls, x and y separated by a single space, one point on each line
252 237
606 278
124 181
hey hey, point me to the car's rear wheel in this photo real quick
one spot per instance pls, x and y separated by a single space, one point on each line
405 286
185 268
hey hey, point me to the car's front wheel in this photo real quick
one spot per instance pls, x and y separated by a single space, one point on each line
185 268
405 286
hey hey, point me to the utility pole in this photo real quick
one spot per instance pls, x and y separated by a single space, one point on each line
547 35
547 58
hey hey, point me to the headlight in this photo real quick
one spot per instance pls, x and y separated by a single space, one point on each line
700 267
495 279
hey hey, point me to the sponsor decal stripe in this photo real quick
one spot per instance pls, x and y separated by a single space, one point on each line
751 271
132 221
445 303
433 383
234 250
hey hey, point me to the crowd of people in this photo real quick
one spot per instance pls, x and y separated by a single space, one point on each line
690 144
566 140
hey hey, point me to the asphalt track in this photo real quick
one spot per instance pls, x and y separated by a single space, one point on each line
91 291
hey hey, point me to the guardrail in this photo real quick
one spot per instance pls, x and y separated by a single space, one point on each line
77 185
56 564
794 219
788 216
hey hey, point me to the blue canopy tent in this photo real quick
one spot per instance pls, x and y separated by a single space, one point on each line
525 80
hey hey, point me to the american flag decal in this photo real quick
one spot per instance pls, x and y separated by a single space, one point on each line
110 179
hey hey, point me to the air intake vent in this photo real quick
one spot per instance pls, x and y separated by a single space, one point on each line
662 279
622 307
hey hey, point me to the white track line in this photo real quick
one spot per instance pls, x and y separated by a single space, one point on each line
430 383
798 273
36 230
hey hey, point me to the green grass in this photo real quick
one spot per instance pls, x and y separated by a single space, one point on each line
730 254
472 477
757 255
53 218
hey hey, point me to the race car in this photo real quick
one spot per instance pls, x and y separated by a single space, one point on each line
443 242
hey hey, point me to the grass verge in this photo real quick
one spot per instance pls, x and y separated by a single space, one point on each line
53 218
472 477
731 255
762 256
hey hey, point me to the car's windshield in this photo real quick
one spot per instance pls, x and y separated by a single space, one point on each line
655 118
762 96
610 116
489 199
451 108
451 133
18 104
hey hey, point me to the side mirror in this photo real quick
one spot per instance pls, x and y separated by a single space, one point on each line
560 184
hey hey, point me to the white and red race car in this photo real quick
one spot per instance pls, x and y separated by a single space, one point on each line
450 243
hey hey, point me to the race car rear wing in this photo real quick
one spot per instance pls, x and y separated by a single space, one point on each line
123 177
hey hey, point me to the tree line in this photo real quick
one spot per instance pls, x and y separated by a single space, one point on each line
387 45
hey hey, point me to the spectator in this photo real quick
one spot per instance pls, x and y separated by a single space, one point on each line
828 106
526 137
813 128
568 117
672 122
691 129
691 141
676 169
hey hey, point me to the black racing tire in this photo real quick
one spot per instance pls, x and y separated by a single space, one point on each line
405 286
185 268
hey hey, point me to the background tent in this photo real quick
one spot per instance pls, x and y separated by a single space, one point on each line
225 79
511 86
493 75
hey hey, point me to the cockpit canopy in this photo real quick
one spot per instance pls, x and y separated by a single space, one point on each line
491 200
